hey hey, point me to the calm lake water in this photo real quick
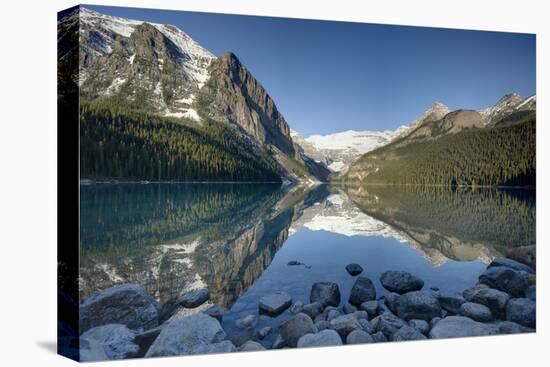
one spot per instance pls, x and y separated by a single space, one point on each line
237 239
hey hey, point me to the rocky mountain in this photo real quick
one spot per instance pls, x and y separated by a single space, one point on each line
159 69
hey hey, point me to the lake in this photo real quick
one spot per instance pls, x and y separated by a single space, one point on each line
238 239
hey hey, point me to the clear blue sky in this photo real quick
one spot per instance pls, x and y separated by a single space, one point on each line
332 76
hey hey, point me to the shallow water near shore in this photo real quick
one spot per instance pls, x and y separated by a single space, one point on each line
237 239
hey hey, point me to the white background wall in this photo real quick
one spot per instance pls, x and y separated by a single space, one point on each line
28 180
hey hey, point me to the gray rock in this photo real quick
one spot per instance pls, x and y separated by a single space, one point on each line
125 304
320 317
512 264
194 298
362 291
216 312
400 281
348 308
332 314
523 311
225 346
451 303
360 314
359 336
91 351
278 343
323 338
506 280
494 299
354 269
247 321
379 337
146 338
194 334
345 324
421 325
460 326
116 341
263 332
531 292
420 305
387 323
297 307
251 346
371 307
476 312
322 325
326 293
390 300
366 326
296 327
313 309
275 303
509 327
407 333
434 321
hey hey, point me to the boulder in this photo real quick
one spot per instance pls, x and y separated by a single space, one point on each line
349 308
407 333
420 305
275 303
476 312
216 312
509 327
362 291
322 325
494 299
193 299
359 336
345 324
460 326
146 338
390 300
421 325
354 269
251 346
323 338
366 326
125 304
387 323
91 351
434 321
400 281
115 340
522 311
379 337
313 309
194 334
531 292
512 264
326 293
506 280
332 314
451 303
524 254
225 346
371 307
360 314
297 307
296 327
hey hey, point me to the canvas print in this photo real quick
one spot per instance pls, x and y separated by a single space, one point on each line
246 183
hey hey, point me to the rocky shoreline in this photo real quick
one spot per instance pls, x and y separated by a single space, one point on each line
125 322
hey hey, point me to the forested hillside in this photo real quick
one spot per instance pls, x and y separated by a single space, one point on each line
117 142
501 155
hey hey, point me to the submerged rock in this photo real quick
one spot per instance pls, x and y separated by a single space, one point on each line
460 326
194 334
247 321
275 303
324 338
420 305
125 304
326 293
114 341
263 332
362 291
354 269
476 312
400 281
522 311
296 327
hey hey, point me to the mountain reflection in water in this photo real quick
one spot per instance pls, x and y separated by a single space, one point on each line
169 238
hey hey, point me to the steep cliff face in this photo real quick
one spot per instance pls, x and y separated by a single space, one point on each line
232 94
